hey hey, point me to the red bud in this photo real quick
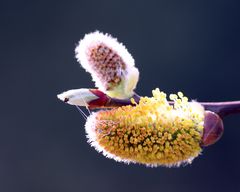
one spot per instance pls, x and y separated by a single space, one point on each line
213 128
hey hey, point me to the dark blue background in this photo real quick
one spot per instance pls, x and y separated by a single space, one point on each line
189 46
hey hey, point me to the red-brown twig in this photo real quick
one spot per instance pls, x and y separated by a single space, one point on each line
221 108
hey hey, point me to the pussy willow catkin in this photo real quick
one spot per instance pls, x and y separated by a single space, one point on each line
152 132
110 64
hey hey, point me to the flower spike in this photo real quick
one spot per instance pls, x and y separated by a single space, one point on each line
153 132
109 63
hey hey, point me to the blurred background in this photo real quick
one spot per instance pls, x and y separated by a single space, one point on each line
189 46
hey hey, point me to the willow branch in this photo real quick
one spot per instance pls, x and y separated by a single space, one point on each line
221 108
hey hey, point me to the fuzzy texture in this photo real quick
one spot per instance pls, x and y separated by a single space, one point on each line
152 132
110 64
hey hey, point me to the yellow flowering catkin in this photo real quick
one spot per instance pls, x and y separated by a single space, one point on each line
152 132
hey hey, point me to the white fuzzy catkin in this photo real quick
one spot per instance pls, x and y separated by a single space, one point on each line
109 63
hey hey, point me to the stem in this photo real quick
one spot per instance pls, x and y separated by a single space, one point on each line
221 108
113 102
104 101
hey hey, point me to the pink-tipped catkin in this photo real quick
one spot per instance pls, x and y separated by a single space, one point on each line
110 64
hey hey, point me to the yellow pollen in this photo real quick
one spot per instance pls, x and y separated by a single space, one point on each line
152 132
